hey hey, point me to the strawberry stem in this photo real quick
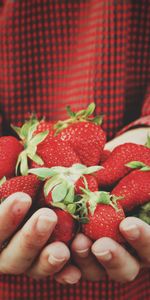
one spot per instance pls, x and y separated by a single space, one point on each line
83 115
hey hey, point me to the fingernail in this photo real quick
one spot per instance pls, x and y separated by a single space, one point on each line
83 253
44 223
132 232
55 260
71 281
105 255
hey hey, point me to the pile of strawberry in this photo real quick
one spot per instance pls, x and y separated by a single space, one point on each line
63 165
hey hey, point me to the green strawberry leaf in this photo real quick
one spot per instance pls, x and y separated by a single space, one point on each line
37 159
146 168
103 197
138 165
59 205
144 213
70 196
25 128
148 141
70 112
83 220
90 109
51 183
40 172
2 180
31 130
71 208
40 137
78 166
24 163
17 130
59 192
92 169
98 120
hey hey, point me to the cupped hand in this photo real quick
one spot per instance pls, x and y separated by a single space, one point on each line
27 251
105 256
136 135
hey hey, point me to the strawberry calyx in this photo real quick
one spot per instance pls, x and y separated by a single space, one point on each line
144 213
147 144
138 165
2 180
84 115
60 182
30 142
92 199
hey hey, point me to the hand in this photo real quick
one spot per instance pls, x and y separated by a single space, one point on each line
26 251
122 266
107 256
138 136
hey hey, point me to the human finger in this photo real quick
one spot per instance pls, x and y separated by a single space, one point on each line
69 275
85 260
27 242
12 212
119 264
50 261
137 233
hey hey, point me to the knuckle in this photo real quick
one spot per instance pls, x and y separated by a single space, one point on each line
31 241
27 241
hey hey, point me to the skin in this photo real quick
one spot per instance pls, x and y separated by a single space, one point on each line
34 257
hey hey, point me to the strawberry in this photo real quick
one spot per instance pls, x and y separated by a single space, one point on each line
114 168
103 215
10 148
84 134
55 152
105 154
30 142
42 148
135 189
62 184
44 126
65 228
29 184
88 180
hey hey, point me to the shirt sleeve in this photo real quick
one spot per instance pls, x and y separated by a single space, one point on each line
144 120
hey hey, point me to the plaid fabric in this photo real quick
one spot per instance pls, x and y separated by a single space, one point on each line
58 52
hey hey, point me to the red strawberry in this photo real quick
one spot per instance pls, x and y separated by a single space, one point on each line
43 148
84 134
135 189
115 166
91 183
64 183
105 155
44 126
30 142
10 149
66 227
104 216
29 184
55 152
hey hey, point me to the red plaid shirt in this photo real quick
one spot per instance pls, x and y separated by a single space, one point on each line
55 53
